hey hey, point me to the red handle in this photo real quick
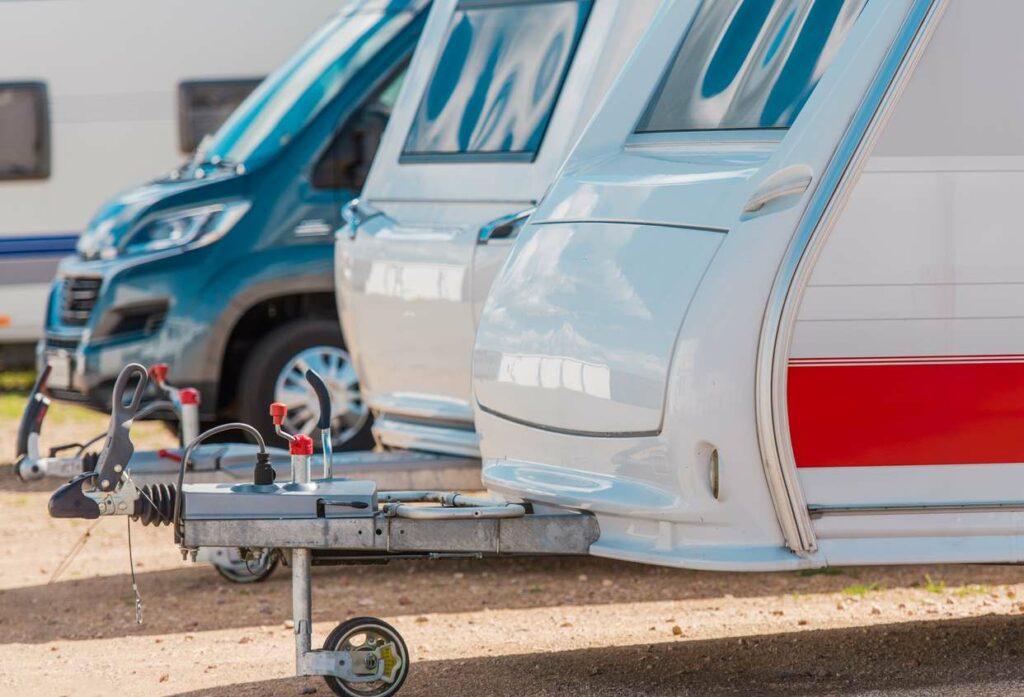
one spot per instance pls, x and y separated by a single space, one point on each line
188 395
277 412
159 372
301 445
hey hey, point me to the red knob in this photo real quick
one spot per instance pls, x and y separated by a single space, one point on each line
188 395
277 412
159 372
301 445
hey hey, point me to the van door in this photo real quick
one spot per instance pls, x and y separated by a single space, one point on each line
476 137
906 373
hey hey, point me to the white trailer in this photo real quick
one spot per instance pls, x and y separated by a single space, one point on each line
98 95
771 316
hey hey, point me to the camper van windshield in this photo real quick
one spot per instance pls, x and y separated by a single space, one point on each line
296 92
497 80
749 64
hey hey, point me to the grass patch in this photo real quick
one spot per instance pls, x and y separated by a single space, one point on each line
824 571
973 589
11 405
933 585
16 380
859 590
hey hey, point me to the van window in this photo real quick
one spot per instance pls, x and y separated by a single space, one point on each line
749 64
496 83
203 105
346 161
24 131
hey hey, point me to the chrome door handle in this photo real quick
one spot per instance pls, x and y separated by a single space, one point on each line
787 182
355 213
504 228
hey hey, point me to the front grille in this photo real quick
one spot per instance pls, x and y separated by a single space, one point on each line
77 299
55 342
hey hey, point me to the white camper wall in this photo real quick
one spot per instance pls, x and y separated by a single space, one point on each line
112 70
909 345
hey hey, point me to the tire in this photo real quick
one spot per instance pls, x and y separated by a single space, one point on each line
264 379
382 631
255 572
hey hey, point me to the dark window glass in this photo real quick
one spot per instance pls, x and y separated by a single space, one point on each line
749 64
346 161
203 105
498 79
24 131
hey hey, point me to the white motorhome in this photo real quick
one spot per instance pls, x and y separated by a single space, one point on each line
770 316
496 96
98 95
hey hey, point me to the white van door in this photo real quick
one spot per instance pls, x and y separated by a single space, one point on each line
492 104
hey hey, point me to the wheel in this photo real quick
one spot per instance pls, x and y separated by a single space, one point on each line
374 642
275 372
244 571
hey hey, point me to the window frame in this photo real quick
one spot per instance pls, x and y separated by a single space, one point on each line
43 123
185 130
518 156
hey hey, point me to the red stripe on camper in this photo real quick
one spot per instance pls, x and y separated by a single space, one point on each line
922 410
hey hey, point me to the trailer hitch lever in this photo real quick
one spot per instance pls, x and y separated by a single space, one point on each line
323 396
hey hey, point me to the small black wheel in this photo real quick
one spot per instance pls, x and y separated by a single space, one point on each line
376 649
245 571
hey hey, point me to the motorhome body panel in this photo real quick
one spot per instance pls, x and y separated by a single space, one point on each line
411 282
905 382
705 464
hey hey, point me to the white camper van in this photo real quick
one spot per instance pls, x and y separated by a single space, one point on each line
98 95
496 96
771 314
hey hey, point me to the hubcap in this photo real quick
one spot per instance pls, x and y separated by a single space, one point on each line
348 412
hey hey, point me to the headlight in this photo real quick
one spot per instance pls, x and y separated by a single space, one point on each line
193 226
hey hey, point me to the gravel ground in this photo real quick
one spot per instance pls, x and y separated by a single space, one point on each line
573 627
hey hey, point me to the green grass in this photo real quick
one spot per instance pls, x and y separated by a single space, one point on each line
859 590
933 585
823 571
973 589
16 380
11 405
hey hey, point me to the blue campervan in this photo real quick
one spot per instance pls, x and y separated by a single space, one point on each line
223 268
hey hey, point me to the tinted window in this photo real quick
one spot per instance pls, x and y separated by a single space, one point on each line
24 131
498 79
346 161
749 64
203 105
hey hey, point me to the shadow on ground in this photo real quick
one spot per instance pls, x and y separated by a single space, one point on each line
196 599
976 656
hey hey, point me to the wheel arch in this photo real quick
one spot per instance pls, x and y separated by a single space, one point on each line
255 311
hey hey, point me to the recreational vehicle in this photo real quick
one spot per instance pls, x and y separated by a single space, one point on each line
98 95
766 318
223 268
770 315
498 96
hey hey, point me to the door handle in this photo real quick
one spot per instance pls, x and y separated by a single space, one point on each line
355 213
504 228
788 182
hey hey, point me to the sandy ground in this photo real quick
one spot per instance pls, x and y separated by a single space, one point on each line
584 627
